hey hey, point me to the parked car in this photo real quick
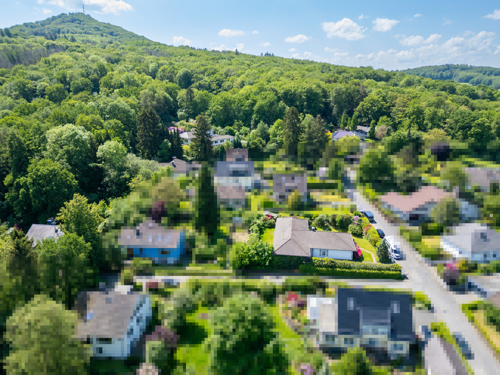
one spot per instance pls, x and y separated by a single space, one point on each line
368 215
464 347
424 332
381 233
394 247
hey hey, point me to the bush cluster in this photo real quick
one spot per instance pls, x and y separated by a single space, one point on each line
344 264
354 273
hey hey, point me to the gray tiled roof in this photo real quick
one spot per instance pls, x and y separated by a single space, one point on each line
487 283
150 235
230 192
483 177
229 168
293 181
225 136
342 134
39 232
364 129
187 135
237 154
293 237
474 237
441 358
374 305
105 315
495 300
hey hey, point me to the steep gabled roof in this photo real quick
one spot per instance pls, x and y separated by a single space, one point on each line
150 235
408 203
40 232
474 237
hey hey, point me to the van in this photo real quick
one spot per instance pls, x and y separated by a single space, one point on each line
394 247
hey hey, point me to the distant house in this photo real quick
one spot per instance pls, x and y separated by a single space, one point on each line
440 357
416 207
39 232
285 184
187 137
292 237
181 167
363 130
494 299
150 240
362 318
237 154
344 133
472 241
231 196
485 178
322 173
221 139
112 322
486 286
235 173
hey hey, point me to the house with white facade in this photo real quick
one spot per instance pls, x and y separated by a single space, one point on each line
221 139
285 183
235 173
292 237
112 322
487 286
363 318
473 241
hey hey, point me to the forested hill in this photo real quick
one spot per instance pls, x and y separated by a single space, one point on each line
475 75
27 43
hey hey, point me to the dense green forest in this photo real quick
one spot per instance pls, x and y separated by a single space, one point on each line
474 75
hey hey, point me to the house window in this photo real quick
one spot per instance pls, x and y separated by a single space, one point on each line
395 307
140 251
323 253
350 304
330 338
98 350
130 332
397 347
150 238
165 252
349 341
103 340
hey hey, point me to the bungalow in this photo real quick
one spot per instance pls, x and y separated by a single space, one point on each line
39 232
181 167
150 240
362 318
232 197
440 357
237 154
292 237
486 286
363 130
112 322
285 184
187 137
344 133
235 173
472 241
221 139
416 207
486 178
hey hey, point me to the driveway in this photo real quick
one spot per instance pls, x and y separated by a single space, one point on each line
424 278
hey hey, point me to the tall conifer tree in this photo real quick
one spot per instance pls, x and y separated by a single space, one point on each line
149 132
201 145
291 130
207 208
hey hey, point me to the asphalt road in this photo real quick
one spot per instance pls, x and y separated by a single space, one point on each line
423 278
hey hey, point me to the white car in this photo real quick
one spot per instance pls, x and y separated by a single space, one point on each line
394 247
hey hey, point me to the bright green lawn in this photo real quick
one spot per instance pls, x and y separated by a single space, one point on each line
365 244
268 236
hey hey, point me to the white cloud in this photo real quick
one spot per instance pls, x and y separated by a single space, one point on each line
495 15
446 22
98 6
340 54
384 24
180 40
432 38
229 32
498 50
255 32
296 55
361 16
292 50
411 40
46 11
297 39
222 47
239 46
345 28
328 49
266 44
417 15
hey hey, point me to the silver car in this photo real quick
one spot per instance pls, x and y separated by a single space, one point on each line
394 247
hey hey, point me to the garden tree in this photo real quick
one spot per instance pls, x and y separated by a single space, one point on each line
371 132
168 191
344 99
184 78
206 205
295 200
490 210
56 93
81 218
376 167
41 193
383 252
237 141
149 133
262 131
354 122
201 145
176 144
446 212
344 121
71 147
336 168
112 155
454 175
382 131
291 130
18 155
348 145
164 152
64 267
173 314
42 336
315 136
276 133
436 136
242 338
354 362
255 253
407 179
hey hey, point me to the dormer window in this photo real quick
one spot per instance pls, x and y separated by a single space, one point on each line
484 237
350 304
395 307
150 238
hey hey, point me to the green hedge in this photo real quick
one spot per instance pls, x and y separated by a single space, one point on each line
351 273
468 309
322 185
347 265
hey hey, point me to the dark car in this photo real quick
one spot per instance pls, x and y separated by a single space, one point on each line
368 215
381 233
464 347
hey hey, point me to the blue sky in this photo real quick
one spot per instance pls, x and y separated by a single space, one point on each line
383 34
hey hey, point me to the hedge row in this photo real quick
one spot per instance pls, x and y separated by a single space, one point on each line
322 185
348 273
347 265
468 309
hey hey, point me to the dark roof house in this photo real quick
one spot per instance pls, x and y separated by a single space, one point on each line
39 232
234 169
483 177
180 166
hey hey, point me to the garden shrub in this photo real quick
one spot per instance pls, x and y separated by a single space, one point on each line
356 230
372 236
432 229
285 262
343 221
304 285
127 276
345 264
142 266
355 273
332 220
421 301
383 252
137 287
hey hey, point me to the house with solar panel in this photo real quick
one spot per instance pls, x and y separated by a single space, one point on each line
152 241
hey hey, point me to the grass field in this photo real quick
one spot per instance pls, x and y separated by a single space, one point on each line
268 236
432 241
493 335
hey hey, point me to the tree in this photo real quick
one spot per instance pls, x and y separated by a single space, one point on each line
149 133
371 132
56 93
207 208
291 130
164 153
184 78
354 362
41 193
383 252
242 339
295 200
376 167
354 122
18 155
42 335
455 176
315 136
491 209
63 267
113 157
436 136
201 145
336 169
344 121
446 212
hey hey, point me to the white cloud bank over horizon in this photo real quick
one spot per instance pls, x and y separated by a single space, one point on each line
229 32
98 6
301 38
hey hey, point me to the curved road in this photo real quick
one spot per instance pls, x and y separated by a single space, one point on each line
424 278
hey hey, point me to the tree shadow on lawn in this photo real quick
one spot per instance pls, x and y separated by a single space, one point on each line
194 334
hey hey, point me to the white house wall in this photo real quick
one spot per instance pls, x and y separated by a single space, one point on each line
245 182
332 254
115 349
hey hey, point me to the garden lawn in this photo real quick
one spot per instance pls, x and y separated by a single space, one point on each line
330 198
365 244
432 241
491 332
268 236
